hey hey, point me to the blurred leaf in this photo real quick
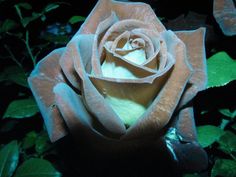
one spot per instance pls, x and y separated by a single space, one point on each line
76 19
21 108
14 74
36 168
224 167
228 113
26 20
9 156
51 7
24 5
234 126
57 39
8 125
43 18
8 25
192 175
29 140
208 134
42 143
228 142
221 69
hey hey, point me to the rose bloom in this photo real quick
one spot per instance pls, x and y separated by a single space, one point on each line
125 82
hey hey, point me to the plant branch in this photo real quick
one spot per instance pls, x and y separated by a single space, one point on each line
28 48
12 56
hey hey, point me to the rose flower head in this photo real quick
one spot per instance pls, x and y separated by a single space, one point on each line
124 81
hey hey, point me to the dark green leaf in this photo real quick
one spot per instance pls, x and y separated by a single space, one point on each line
76 19
42 143
234 126
9 156
58 39
8 125
208 134
29 140
227 142
36 168
43 18
228 113
192 175
14 74
51 7
21 108
26 20
24 5
8 25
224 167
221 69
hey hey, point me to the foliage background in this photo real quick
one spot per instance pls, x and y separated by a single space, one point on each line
29 30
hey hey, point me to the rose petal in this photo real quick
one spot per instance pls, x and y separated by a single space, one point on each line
194 41
124 10
116 66
159 58
224 12
162 108
72 108
95 103
120 42
67 63
96 53
189 155
44 77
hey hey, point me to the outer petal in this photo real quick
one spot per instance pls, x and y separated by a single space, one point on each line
194 41
124 10
182 143
160 111
76 116
224 12
42 80
67 62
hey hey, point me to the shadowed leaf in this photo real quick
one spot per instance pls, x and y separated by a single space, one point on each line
224 167
8 25
9 156
36 168
14 74
228 142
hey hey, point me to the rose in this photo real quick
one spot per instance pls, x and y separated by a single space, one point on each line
124 78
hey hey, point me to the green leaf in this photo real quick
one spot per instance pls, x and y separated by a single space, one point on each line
8 25
76 19
227 142
42 143
208 134
29 140
51 7
9 157
221 69
36 168
21 108
228 113
24 5
224 167
14 74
